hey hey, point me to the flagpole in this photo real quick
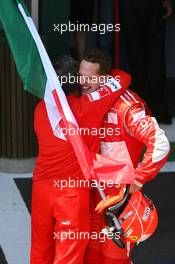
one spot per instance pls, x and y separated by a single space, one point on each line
35 12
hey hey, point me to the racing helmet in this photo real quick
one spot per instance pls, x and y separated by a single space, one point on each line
136 215
139 219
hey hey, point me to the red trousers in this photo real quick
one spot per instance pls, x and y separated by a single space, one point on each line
58 219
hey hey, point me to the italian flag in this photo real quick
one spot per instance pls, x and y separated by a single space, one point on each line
40 79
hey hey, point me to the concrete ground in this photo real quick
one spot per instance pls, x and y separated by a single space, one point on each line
15 197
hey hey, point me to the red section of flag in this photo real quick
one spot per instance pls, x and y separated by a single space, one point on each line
108 169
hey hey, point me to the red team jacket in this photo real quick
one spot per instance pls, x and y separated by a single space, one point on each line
56 157
133 128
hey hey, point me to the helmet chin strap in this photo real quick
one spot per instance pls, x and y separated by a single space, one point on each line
111 218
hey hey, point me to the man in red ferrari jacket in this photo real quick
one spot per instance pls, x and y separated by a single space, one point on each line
60 212
133 128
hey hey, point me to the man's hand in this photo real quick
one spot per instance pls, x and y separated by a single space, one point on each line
167 4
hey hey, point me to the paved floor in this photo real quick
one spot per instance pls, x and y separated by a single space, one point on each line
15 196
160 249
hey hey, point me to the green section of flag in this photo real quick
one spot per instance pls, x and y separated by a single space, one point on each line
23 47
24 6
172 153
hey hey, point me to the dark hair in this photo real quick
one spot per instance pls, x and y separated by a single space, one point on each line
66 66
102 57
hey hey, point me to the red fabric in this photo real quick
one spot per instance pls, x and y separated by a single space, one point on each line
56 157
79 146
110 169
136 129
127 116
60 211
57 161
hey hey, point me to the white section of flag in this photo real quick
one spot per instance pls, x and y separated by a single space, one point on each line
52 81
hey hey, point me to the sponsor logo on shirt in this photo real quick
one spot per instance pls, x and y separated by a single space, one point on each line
146 213
113 84
101 92
66 222
112 116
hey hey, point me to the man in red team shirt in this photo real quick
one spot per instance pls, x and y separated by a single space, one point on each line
58 212
133 129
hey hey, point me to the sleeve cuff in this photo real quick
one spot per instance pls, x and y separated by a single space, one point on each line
138 183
